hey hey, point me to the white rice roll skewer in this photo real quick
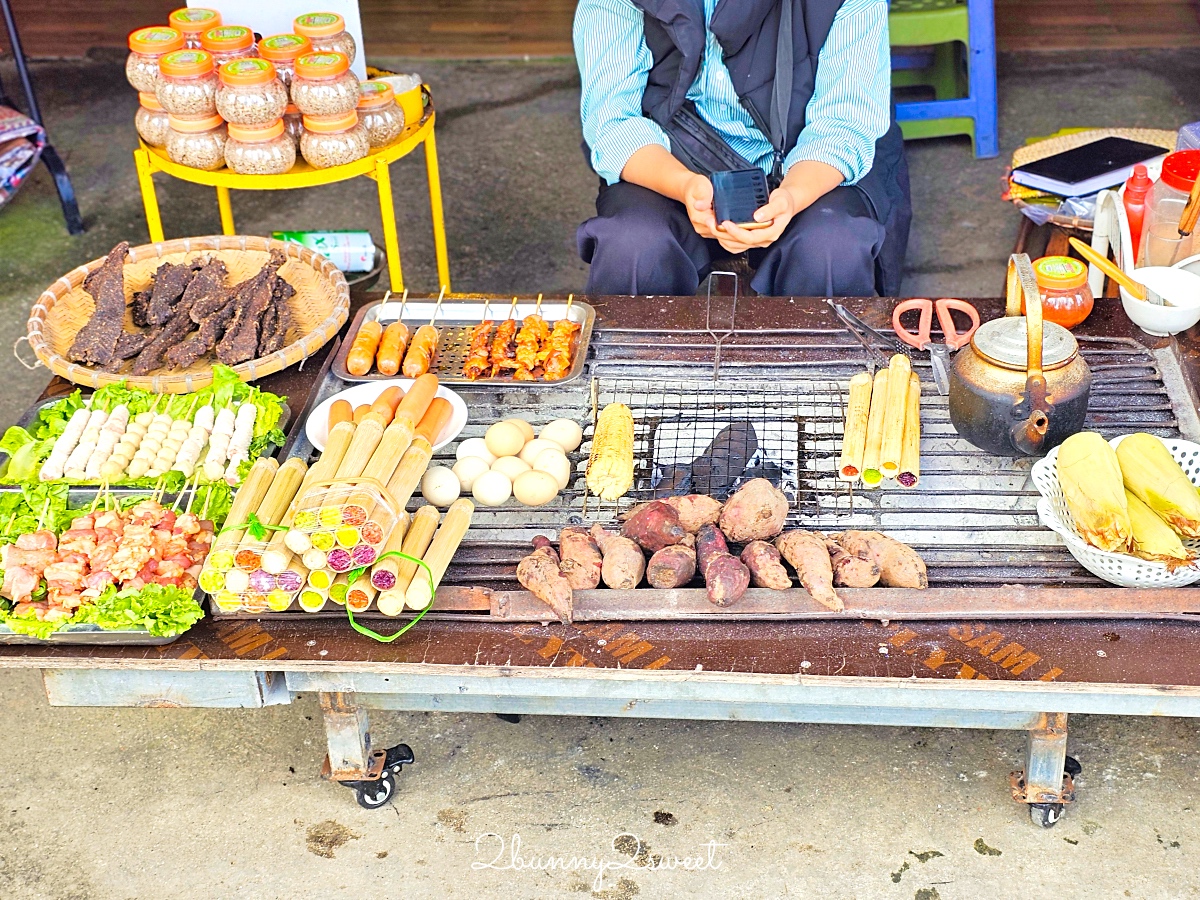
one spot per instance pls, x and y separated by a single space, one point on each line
239 445
76 467
110 434
218 444
56 463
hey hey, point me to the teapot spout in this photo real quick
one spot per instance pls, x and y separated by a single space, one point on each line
1029 435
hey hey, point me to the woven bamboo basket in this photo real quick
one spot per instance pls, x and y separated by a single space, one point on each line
318 309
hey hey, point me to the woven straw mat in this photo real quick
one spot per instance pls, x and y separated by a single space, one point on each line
318 309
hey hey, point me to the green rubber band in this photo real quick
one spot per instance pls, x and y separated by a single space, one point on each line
353 576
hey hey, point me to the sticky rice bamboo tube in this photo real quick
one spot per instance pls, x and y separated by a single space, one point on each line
415 543
910 454
408 474
387 567
893 416
339 589
360 595
384 461
445 544
870 466
366 438
854 435
246 501
277 498
311 600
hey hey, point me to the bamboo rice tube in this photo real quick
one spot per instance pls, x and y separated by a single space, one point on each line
415 543
246 501
445 544
360 595
383 573
278 497
893 416
396 439
910 453
312 600
339 589
367 436
854 435
408 474
871 476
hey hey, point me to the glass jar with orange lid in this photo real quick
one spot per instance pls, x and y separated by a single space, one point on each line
260 149
333 140
146 47
327 31
228 42
198 143
379 114
187 83
1063 284
193 22
283 50
250 93
293 123
151 121
324 85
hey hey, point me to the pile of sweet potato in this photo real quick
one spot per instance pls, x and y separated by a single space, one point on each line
668 542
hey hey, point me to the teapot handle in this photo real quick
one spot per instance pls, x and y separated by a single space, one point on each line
1021 280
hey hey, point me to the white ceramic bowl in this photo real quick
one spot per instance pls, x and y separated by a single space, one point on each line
317 426
1177 285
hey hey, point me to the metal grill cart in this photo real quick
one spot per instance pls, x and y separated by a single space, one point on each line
1012 633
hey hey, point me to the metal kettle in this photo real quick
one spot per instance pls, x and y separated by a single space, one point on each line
1021 387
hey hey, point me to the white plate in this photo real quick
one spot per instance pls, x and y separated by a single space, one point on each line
317 426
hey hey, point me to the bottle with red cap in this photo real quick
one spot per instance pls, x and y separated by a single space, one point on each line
1136 189
1161 244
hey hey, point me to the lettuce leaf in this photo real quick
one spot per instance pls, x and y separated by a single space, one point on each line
31 625
162 610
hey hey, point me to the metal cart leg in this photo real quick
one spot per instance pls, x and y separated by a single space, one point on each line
1048 782
141 161
436 213
387 212
351 762
226 208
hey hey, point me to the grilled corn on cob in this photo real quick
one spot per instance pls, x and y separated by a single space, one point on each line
1090 478
1152 537
610 469
1153 476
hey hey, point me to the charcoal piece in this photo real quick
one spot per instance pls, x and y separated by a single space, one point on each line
96 341
717 469
208 282
240 341
168 287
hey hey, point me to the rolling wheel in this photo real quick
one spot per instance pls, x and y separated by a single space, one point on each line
1044 815
374 794
1072 767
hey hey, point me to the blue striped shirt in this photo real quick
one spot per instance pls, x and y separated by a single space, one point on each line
850 108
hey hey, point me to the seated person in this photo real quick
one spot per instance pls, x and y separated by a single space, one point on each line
674 90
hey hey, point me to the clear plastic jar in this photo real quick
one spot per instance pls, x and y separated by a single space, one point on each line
250 93
1161 243
293 123
260 149
187 84
324 85
327 31
1063 285
193 22
379 114
146 47
151 121
283 50
229 42
333 140
198 143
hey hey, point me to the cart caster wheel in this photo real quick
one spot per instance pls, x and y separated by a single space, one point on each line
1044 815
510 718
374 794
397 758
1072 767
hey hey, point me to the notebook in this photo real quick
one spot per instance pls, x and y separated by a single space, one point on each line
1084 170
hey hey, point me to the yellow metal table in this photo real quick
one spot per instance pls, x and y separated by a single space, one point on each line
151 159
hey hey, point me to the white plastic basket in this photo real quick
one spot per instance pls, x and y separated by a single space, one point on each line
1117 568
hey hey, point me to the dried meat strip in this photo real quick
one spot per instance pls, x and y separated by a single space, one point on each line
208 282
240 341
96 341
170 282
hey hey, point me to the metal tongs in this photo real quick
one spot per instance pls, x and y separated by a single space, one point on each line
864 333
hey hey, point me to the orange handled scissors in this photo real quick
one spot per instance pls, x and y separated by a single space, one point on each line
952 338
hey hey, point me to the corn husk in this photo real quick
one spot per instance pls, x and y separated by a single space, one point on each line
1090 479
1152 475
1153 538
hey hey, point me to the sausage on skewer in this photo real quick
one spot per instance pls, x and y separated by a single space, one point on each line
424 345
394 343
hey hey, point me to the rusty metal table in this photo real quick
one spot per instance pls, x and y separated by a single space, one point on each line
1019 649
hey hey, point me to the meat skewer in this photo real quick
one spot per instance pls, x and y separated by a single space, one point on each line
478 361
556 352
530 338
504 345
424 344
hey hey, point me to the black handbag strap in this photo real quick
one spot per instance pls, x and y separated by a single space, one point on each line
781 90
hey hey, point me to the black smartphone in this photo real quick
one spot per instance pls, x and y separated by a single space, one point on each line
737 193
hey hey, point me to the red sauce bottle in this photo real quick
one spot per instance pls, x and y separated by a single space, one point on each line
1136 188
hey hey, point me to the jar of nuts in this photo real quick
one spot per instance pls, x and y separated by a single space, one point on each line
146 47
228 42
260 149
293 123
249 93
379 114
198 143
187 84
333 140
283 50
324 85
151 121
327 31
192 23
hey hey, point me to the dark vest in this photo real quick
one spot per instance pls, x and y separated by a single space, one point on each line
747 31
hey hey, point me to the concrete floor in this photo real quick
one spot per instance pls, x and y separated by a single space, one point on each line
184 803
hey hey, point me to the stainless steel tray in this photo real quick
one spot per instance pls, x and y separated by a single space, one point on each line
455 320
89 634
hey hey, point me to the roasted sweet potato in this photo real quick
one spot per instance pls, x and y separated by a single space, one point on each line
899 564
538 573
725 576
850 570
694 510
623 564
807 554
766 568
673 566
581 560
756 512
655 525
